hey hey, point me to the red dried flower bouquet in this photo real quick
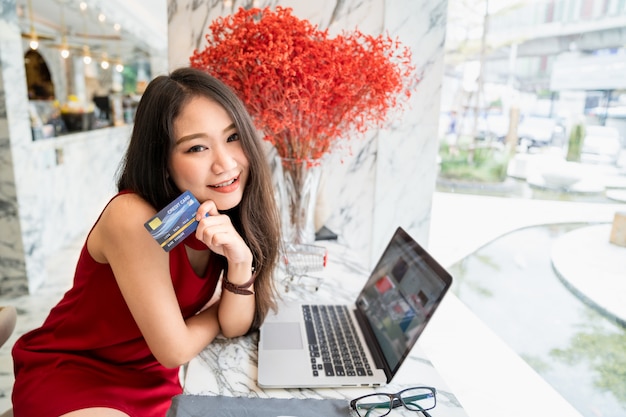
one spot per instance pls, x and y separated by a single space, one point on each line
304 88
305 91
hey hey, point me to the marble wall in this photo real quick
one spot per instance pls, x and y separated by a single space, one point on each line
51 190
20 253
388 178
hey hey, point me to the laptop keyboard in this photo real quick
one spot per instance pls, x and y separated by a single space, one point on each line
334 346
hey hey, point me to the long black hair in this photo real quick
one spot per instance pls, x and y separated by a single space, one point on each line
144 169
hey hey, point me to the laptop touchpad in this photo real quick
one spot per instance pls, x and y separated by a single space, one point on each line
280 336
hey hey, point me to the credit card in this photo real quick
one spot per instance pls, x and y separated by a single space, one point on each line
175 222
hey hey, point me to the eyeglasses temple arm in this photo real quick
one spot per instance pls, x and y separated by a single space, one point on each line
413 398
417 397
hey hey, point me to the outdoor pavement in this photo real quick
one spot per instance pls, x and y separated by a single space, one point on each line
487 376
585 259
593 268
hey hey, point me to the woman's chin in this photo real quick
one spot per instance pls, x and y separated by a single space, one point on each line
225 205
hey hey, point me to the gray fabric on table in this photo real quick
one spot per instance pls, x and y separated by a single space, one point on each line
223 406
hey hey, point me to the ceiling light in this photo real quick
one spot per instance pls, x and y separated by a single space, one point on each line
86 55
65 51
119 67
34 41
105 61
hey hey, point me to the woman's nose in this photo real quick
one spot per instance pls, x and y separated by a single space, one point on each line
222 160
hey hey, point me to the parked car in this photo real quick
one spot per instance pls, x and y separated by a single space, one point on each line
601 144
539 131
490 126
493 127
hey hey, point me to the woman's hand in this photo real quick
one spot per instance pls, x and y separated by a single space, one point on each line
236 311
218 233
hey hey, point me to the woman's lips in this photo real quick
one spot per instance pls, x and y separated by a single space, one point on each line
226 186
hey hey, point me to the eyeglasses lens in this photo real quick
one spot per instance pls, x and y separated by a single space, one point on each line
373 405
418 399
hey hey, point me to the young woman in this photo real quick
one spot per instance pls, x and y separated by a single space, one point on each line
136 313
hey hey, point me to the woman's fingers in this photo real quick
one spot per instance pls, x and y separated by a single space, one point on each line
219 234
206 209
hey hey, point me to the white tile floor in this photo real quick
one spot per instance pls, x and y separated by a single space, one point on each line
459 225
33 309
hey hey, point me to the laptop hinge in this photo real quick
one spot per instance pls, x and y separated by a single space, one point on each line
369 336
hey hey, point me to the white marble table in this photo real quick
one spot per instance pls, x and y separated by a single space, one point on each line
229 367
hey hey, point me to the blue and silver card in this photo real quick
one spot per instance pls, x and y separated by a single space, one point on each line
175 222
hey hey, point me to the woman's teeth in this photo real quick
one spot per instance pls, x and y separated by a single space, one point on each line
224 184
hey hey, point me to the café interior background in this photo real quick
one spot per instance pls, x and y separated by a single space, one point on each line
384 181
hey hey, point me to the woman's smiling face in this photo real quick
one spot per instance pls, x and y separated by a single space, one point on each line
207 157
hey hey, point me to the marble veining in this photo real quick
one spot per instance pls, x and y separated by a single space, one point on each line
16 252
51 190
229 366
382 181
224 371
372 186
67 179
386 179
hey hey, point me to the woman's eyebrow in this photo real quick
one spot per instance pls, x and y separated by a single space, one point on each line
201 135
190 137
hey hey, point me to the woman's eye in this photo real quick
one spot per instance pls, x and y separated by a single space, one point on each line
197 148
233 137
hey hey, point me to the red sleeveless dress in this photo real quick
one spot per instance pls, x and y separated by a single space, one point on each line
90 353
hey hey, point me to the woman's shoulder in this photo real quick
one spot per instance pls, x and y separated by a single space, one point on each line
127 208
130 200
121 225
123 216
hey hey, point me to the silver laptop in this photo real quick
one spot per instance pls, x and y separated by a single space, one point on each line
362 344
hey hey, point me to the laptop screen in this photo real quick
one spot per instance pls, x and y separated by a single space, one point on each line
400 296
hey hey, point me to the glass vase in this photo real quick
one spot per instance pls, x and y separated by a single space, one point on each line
296 185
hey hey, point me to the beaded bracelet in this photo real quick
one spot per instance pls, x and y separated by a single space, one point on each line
239 289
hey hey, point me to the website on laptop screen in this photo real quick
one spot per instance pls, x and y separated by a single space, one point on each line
399 299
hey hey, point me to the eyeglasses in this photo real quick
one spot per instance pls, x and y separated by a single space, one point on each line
417 399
